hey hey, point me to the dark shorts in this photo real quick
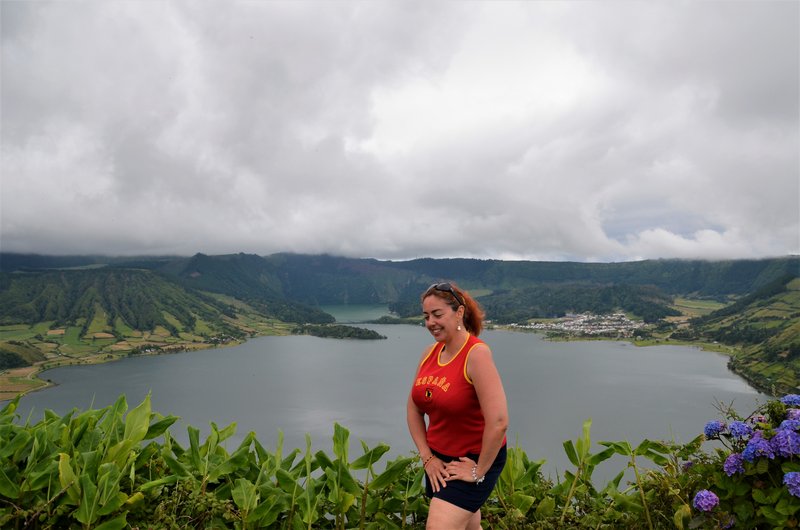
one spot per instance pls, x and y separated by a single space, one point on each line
468 495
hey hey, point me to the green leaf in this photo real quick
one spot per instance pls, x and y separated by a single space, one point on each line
87 509
8 488
392 473
158 428
238 460
245 495
682 516
787 506
19 442
137 422
370 457
602 456
621 448
744 510
341 442
68 479
546 508
569 448
767 496
522 502
170 479
117 523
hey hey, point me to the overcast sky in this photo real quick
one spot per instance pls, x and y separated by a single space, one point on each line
558 130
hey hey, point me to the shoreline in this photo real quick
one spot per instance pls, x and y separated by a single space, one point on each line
32 372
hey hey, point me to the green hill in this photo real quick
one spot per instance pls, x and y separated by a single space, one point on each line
765 326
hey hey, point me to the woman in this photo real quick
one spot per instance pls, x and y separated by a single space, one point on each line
463 447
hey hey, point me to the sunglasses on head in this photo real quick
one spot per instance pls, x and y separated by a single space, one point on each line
447 288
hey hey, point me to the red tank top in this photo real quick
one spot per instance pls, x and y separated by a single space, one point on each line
446 394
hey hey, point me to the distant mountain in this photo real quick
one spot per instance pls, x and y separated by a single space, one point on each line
136 299
249 278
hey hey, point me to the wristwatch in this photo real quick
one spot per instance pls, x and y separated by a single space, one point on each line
475 476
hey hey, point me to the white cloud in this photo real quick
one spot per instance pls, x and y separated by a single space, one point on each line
537 130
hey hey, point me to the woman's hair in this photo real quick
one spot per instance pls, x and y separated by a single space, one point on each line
455 297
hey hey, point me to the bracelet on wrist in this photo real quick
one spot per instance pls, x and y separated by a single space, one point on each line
427 460
475 476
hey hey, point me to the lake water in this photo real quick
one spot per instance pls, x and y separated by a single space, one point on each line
302 384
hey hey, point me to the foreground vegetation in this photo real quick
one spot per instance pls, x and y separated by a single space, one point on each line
112 469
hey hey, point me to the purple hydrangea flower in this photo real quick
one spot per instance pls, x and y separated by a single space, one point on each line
759 419
792 481
758 447
705 500
740 430
793 414
791 399
733 464
791 425
730 523
714 428
785 443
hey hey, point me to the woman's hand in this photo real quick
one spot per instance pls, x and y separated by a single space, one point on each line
437 474
460 469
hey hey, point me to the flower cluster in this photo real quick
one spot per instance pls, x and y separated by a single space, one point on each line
792 482
705 500
740 430
752 440
714 428
733 464
791 400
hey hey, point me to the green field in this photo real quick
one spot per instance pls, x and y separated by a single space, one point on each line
694 307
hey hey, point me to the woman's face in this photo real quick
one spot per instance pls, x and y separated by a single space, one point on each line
440 319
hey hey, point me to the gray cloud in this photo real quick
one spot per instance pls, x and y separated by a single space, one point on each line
535 130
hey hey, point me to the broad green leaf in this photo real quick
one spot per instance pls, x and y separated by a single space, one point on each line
113 414
602 456
68 479
175 465
238 460
370 457
87 509
323 460
117 523
546 507
266 513
108 489
170 479
769 496
621 448
569 448
138 421
341 442
244 495
227 432
287 482
194 450
20 441
392 473
682 516
787 506
585 441
8 488
157 428
522 502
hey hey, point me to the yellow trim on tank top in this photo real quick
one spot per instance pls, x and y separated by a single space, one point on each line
439 357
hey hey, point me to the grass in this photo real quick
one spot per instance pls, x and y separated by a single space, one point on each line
693 307
99 323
